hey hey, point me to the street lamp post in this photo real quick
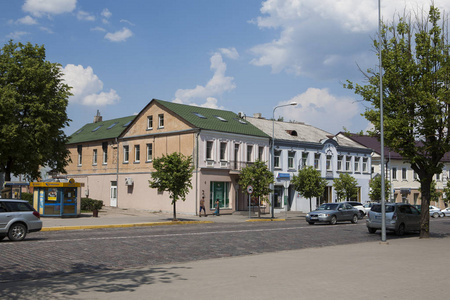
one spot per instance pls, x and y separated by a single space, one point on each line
272 164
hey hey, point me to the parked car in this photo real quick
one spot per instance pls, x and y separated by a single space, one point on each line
333 213
446 211
17 218
400 218
367 206
418 206
435 212
358 206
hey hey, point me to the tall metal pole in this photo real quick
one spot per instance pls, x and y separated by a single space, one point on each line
272 162
383 172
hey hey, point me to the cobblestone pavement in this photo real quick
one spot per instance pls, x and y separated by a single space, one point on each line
50 254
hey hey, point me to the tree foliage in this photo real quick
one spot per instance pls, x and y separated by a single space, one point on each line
173 173
375 186
346 187
416 96
33 102
309 183
259 177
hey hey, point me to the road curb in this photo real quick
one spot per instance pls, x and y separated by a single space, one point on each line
265 220
83 227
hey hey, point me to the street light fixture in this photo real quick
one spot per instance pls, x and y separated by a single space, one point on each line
272 166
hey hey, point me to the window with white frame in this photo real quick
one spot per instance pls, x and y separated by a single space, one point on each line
348 163
304 159
404 174
317 161
329 166
438 177
357 164
150 122
394 173
365 164
94 157
137 153
209 150
340 162
261 153
291 159
415 176
223 151
249 153
276 159
149 152
126 153
161 121
105 152
80 154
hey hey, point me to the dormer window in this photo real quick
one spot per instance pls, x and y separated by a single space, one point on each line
221 119
292 132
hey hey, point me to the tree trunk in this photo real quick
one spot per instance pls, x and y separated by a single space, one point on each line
310 204
174 211
425 187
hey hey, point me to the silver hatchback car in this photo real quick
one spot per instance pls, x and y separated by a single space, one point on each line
400 218
17 218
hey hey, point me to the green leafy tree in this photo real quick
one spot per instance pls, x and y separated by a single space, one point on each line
346 187
309 183
416 96
446 193
173 173
375 189
33 102
259 177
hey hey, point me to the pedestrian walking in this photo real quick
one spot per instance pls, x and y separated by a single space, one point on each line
217 212
202 207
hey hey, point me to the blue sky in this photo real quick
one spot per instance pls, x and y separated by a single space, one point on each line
240 55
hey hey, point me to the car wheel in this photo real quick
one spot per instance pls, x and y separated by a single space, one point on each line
355 219
371 230
442 215
17 232
400 230
333 220
435 215
311 223
361 214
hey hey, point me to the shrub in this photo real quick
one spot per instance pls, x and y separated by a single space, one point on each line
28 197
91 204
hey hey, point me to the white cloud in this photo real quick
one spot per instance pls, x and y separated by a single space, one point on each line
119 36
215 87
230 52
85 16
27 20
98 28
46 29
106 13
87 88
38 8
126 21
321 109
17 35
324 39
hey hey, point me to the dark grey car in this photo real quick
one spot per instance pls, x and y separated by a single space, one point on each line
333 213
400 218
17 218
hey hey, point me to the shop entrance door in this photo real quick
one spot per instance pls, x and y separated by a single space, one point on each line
113 197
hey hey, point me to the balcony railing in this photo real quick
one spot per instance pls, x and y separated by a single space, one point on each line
229 165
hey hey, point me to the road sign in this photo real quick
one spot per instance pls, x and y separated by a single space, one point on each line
249 189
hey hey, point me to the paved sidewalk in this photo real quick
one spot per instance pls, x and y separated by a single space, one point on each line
110 217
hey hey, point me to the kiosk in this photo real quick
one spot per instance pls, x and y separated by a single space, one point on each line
57 199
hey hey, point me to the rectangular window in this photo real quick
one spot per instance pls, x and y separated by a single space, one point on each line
223 151
404 174
261 153
317 161
80 154
94 157
105 152
149 152
209 150
329 168
161 121
219 191
291 159
394 173
357 164
249 153
365 167
150 122
348 161
137 153
304 159
126 153
339 162
276 159
236 156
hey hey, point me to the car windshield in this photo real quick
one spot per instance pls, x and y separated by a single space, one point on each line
377 208
328 206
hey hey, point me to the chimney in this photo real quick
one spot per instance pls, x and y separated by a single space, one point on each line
98 118
257 115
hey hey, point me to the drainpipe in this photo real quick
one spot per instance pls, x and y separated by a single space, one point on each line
117 174
196 172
